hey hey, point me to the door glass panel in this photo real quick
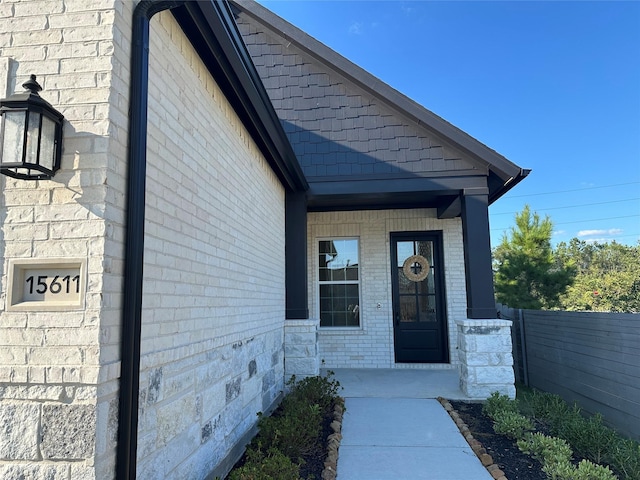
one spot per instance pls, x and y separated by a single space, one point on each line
404 251
404 284
408 311
427 304
425 248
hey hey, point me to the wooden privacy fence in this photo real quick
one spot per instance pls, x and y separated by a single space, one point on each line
591 358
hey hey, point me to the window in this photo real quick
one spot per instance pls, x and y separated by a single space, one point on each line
339 283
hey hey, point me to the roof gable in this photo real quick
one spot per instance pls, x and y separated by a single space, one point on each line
337 128
346 125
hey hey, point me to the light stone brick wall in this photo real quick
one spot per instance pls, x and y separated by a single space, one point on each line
486 358
213 296
214 291
59 370
371 345
301 349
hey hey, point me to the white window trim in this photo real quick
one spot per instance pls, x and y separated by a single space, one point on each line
317 283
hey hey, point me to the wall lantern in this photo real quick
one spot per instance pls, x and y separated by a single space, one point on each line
30 135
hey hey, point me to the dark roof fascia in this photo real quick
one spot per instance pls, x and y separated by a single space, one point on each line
212 31
390 193
496 193
444 185
399 177
509 172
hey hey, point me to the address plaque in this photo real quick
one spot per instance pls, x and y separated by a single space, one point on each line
46 284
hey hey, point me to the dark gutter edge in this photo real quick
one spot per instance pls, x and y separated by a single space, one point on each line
126 450
524 172
381 90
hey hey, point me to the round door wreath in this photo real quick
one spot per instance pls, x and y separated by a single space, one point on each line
416 268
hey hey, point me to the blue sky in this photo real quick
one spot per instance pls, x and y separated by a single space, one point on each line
553 86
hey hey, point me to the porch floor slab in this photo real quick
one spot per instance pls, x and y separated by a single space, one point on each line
394 428
400 383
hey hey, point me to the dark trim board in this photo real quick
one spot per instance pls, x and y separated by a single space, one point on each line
296 292
477 254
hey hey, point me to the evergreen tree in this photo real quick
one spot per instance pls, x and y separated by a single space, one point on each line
526 273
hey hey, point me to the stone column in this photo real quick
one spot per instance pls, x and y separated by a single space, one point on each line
301 348
486 358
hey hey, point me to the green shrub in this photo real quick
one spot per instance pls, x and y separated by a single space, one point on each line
588 436
569 424
549 450
563 470
511 424
318 390
272 465
586 470
499 403
625 458
590 471
545 406
591 439
295 433
296 427
555 456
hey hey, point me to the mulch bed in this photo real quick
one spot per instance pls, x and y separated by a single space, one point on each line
321 464
505 453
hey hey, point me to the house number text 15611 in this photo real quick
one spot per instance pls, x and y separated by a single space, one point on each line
50 284
55 285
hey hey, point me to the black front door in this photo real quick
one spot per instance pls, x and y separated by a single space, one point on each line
420 321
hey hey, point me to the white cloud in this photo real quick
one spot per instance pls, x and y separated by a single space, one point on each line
591 233
558 232
356 28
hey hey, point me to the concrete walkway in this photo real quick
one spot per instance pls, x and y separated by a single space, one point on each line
395 429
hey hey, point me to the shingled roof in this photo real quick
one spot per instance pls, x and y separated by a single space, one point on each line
361 143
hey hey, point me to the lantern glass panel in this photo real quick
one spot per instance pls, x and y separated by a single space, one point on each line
13 139
33 138
48 143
